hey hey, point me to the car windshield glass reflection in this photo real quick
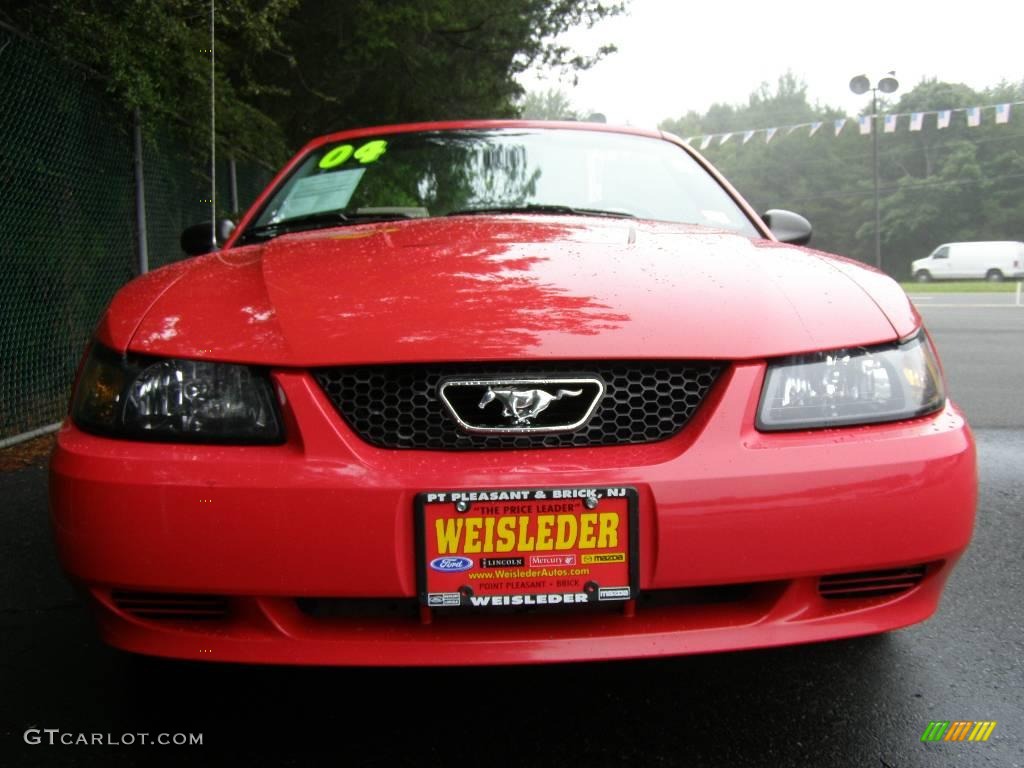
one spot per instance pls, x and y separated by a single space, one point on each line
496 171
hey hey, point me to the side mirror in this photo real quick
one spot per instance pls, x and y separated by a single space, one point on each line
197 239
787 226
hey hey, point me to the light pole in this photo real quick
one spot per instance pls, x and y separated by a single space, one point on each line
887 84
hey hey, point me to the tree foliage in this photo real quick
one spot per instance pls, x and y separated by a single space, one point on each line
551 104
368 62
155 57
287 70
936 186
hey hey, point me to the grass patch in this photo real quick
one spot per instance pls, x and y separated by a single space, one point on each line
961 286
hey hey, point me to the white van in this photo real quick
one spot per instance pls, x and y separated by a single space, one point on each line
1001 260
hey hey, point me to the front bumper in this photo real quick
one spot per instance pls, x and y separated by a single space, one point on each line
328 516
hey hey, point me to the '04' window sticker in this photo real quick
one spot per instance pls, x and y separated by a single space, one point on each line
367 153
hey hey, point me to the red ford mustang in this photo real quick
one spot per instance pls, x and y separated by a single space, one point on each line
504 392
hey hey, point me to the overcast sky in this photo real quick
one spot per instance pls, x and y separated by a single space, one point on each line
675 56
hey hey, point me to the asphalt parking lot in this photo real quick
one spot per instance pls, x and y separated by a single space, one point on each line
851 703
980 340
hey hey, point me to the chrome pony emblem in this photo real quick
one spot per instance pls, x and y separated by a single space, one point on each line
513 406
522 405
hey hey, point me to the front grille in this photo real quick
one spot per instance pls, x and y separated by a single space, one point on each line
171 607
397 406
871 583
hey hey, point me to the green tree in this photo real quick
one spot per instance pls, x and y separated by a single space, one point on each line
811 175
551 104
155 57
288 70
958 183
372 62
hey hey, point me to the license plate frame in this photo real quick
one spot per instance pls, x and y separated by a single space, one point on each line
526 577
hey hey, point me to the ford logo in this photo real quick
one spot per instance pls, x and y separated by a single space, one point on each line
451 564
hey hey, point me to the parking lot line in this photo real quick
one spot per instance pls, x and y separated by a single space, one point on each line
974 306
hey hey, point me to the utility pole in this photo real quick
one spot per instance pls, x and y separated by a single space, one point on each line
887 84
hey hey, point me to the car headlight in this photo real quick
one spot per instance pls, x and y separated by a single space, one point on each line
860 385
173 399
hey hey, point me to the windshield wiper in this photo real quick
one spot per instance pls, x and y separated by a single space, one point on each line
316 221
563 210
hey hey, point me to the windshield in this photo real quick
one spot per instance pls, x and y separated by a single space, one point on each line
444 173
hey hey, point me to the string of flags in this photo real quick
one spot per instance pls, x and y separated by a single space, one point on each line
890 123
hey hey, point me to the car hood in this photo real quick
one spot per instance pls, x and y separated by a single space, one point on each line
506 287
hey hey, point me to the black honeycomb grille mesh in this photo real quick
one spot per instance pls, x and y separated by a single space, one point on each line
397 406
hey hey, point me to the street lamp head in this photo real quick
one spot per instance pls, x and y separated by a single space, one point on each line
860 84
888 84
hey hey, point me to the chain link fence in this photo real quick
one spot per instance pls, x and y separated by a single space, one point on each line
68 237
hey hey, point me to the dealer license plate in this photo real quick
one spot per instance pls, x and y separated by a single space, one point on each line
527 547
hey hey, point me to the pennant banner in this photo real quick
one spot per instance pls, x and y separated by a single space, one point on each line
865 123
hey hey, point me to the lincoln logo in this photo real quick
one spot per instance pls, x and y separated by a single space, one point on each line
522 405
516 406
